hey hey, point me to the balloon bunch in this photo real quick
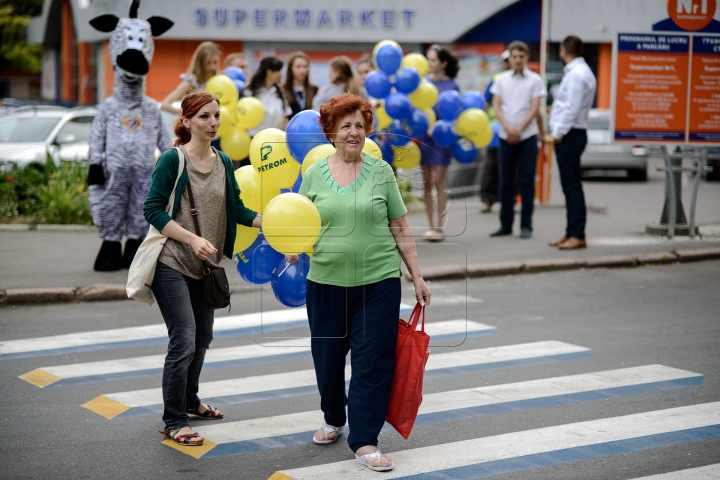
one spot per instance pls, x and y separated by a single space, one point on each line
464 125
406 111
236 116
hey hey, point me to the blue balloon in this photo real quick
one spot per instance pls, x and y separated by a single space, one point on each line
296 186
473 99
418 123
240 85
449 105
398 106
387 152
495 142
407 80
377 84
235 73
443 133
289 281
257 263
464 151
388 58
396 134
304 133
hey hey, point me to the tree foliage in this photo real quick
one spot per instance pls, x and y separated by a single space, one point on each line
14 49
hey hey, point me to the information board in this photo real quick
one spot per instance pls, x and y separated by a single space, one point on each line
666 88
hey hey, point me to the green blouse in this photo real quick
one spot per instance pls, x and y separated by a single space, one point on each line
356 246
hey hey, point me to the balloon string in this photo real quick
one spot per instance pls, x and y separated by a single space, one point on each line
286 267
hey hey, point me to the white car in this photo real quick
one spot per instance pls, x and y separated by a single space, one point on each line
28 136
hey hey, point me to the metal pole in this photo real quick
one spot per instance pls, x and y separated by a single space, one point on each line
698 175
670 179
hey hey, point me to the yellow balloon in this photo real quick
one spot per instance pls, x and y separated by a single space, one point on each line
472 124
226 121
291 224
236 143
222 88
371 148
271 158
315 155
254 194
484 138
244 237
407 157
380 44
249 112
384 120
418 61
431 116
425 96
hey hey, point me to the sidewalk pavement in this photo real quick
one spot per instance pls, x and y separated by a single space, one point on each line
55 265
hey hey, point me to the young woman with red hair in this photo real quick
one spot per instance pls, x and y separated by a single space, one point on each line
178 284
353 287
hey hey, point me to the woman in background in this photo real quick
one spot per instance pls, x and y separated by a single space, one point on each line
203 65
364 66
299 92
443 68
341 79
264 85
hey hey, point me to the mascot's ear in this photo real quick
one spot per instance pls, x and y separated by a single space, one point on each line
105 23
159 25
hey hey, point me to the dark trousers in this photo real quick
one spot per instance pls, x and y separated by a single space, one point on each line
568 154
190 328
490 180
363 320
517 161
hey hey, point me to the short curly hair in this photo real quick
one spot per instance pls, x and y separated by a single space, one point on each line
338 108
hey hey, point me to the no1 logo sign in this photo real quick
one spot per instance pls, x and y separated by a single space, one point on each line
691 15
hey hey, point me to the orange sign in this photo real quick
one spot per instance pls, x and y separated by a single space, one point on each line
691 15
704 121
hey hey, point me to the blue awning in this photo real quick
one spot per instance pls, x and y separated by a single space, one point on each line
518 21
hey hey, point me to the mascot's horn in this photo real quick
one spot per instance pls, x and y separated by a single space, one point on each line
134 8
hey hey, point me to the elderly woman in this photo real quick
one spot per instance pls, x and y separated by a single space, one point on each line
353 288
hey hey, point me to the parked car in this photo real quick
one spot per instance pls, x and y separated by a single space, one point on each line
28 136
602 154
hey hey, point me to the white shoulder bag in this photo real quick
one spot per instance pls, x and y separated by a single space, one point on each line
142 270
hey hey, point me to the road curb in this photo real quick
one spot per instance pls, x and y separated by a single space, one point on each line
108 292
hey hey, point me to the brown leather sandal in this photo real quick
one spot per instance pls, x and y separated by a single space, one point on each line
211 413
183 440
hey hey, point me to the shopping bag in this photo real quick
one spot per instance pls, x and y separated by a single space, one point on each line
142 268
411 356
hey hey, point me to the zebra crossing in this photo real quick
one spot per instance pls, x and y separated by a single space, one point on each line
472 458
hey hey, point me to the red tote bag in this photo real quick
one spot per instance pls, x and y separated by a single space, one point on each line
410 358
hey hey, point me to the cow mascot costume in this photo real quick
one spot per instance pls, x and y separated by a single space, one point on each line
125 132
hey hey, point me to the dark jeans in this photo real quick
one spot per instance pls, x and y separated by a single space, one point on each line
364 320
190 324
490 181
568 153
517 161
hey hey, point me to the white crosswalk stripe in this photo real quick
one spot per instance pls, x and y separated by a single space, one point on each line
708 472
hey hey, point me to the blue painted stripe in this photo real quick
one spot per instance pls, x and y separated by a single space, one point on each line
304 438
558 457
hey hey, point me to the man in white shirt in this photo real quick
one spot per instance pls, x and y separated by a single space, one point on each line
516 98
568 127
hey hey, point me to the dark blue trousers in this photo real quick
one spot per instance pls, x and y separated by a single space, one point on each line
517 161
363 320
568 153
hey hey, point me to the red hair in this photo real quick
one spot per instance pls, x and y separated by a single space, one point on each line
191 105
340 107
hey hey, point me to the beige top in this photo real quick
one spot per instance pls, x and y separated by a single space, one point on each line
209 194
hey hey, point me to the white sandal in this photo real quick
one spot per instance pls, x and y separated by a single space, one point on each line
328 430
377 454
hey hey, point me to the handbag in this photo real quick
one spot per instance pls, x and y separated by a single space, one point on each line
142 268
411 356
215 282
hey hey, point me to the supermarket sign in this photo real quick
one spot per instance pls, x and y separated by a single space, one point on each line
666 88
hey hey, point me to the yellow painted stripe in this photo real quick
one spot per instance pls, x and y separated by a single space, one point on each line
106 407
279 476
195 452
40 378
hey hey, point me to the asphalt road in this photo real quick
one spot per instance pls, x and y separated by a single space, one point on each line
664 315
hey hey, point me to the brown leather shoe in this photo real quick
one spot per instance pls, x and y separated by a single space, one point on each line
558 242
572 243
